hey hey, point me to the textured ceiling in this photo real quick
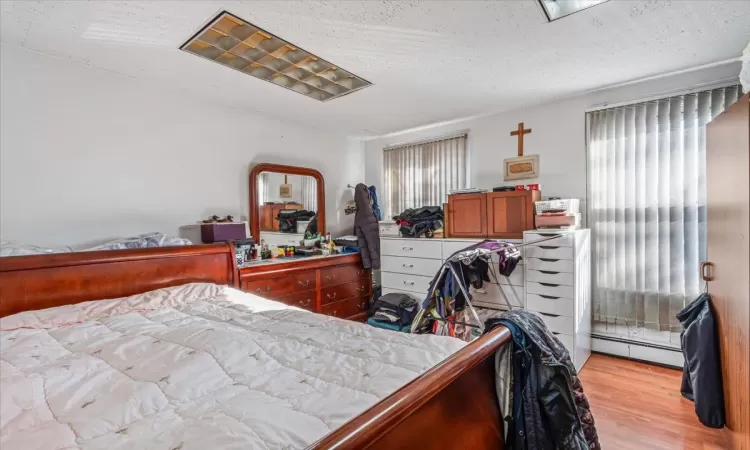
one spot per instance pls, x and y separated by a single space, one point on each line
430 61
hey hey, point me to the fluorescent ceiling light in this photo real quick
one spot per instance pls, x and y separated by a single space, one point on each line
232 42
556 9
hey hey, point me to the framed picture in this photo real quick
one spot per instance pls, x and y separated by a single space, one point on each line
285 190
521 167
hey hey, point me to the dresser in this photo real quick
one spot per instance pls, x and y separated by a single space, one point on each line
333 285
552 280
408 265
558 286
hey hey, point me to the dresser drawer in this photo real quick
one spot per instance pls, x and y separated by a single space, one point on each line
413 248
554 265
516 278
451 247
563 239
413 266
346 308
548 252
558 324
568 341
406 282
550 304
344 291
342 274
554 290
274 288
549 277
489 296
304 300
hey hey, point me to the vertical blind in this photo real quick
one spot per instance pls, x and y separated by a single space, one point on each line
310 193
422 174
647 206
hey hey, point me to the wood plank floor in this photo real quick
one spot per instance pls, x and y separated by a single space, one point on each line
638 406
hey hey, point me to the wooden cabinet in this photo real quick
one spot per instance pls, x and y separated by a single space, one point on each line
467 215
334 285
509 214
270 213
503 215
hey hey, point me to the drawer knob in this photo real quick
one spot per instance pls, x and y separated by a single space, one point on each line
361 272
547 247
549 315
363 305
303 283
408 249
334 313
408 266
409 283
260 290
551 297
304 303
330 277
549 272
548 260
331 296
550 284
361 288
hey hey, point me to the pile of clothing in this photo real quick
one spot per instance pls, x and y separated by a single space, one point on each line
393 312
538 388
419 222
288 219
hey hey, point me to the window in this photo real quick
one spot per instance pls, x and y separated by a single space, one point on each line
423 173
647 209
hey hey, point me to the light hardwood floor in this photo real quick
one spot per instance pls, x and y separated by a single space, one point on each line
638 406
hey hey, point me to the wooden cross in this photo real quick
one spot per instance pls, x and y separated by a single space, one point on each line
520 132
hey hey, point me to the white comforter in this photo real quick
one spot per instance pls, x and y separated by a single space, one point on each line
199 366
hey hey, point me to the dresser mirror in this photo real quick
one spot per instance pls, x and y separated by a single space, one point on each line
283 200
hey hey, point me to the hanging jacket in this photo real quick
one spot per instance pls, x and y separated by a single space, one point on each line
548 409
701 374
366 229
374 200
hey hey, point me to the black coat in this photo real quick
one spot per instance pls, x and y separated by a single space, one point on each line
366 228
701 374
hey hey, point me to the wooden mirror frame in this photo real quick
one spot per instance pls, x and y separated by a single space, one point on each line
289 170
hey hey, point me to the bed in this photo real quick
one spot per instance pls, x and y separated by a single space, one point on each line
177 359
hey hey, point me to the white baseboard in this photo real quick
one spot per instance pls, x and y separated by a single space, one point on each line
639 352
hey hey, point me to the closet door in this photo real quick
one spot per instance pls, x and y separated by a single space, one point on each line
509 214
728 198
467 215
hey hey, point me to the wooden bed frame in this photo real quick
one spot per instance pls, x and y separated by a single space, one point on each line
453 405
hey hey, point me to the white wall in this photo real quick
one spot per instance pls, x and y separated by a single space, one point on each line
86 155
275 180
558 136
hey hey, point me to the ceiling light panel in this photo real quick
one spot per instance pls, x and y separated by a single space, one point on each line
557 9
232 42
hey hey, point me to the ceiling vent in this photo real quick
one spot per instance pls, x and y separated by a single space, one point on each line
557 9
232 42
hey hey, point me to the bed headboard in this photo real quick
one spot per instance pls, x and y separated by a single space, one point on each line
43 281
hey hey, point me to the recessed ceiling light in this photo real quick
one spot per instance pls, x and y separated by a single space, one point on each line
556 9
232 42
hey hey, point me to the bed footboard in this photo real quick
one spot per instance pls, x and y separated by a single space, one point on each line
452 406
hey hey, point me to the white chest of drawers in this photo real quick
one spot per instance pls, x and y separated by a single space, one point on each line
558 286
553 280
408 265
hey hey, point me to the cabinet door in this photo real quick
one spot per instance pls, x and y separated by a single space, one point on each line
509 214
468 215
266 218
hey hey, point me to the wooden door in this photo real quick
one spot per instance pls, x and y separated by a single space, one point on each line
728 183
509 214
467 214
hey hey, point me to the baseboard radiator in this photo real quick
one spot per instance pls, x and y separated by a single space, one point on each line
638 350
